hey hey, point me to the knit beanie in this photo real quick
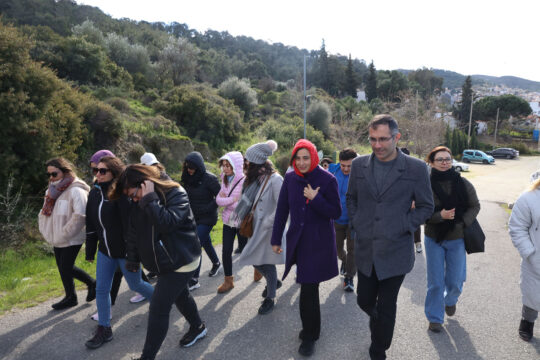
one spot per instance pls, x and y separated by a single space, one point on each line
100 154
259 153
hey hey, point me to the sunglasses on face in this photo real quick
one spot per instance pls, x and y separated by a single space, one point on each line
102 171
191 167
52 174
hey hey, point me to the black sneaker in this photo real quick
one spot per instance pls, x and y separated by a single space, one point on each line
193 284
215 269
450 310
193 335
65 303
307 348
265 291
266 307
102 335
238 251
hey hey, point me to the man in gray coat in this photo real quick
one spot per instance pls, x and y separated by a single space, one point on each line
382 188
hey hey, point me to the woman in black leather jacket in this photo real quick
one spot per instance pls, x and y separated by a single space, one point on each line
162 236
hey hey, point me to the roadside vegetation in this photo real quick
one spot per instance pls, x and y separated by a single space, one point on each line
74 80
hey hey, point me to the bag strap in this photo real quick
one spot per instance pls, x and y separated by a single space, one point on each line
230 192
256 202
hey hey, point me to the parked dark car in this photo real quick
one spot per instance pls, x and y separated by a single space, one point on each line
508 153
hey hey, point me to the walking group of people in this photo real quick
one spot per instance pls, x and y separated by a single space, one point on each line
364 211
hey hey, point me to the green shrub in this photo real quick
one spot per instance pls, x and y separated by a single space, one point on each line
119 104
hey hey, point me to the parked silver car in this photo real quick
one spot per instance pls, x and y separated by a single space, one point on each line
459 166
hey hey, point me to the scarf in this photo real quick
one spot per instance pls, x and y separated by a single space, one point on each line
246 201
55 190
308 145
456 199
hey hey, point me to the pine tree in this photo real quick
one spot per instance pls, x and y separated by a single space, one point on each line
371 83
350 79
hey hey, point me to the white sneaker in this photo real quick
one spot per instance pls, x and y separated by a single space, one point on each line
137 298
418 247
95 317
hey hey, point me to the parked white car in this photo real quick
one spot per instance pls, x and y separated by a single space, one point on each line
459 166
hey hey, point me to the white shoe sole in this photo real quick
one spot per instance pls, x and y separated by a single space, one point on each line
137 299
198 337
193 287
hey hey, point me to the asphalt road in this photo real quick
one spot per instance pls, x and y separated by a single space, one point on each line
484 327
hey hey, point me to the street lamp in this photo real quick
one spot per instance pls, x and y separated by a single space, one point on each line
304 96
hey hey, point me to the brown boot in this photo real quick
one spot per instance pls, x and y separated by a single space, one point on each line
227 285
257 276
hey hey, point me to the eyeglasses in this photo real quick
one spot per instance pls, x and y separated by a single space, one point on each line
443 160
52 174
380 140
102 171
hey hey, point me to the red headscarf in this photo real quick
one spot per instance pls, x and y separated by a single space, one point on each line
308 145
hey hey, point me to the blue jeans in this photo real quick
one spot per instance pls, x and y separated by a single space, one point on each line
446 271
203 232
105 269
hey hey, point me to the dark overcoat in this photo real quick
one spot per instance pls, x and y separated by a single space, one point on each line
383 223
311 239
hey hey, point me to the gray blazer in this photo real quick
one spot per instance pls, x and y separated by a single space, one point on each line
384 222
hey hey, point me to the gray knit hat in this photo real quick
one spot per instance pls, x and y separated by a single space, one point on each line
258 153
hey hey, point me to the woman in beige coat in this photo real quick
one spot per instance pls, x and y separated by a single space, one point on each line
62 224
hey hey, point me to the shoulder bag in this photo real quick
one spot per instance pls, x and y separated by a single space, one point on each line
246 226
474 238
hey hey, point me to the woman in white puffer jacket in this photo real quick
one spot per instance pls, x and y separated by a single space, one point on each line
524 227
62 224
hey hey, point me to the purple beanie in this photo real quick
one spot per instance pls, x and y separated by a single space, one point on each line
100 154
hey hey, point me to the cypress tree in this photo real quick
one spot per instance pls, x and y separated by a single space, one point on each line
350 79
371 83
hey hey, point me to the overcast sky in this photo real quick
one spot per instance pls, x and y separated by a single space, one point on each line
467 36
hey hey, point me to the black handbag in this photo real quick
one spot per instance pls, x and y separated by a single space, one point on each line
474 238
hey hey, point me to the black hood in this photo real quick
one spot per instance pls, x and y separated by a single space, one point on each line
195 158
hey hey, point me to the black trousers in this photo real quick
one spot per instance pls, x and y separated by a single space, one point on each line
65 261
310 311
378 299
171 288
229 233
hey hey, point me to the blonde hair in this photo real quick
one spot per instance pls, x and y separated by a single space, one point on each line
535 185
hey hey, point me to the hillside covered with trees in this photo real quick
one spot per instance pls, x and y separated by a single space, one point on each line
74 80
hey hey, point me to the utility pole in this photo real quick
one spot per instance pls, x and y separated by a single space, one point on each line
470 122
304 96
496 126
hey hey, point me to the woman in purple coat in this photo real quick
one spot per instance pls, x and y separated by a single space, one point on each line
310 196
